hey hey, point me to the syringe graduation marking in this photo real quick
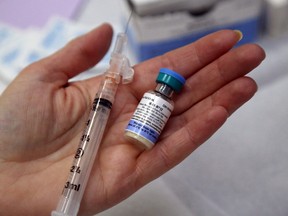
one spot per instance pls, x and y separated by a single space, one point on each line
79 153
101 101
70 186
75 169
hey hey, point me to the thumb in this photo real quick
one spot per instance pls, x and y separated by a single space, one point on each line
78 55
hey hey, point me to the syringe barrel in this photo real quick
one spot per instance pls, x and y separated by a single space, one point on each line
90 141
87 150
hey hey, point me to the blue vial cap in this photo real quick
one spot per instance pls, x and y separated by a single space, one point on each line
171 78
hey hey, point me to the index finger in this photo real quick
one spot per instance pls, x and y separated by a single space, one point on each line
186 60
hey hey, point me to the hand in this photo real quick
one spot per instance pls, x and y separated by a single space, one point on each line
42 117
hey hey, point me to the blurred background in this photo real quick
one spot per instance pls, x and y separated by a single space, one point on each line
243 169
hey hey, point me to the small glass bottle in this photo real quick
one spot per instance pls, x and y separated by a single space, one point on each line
154 110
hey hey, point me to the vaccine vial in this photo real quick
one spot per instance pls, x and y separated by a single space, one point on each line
154 110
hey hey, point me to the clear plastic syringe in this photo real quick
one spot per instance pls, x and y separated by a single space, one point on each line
90 141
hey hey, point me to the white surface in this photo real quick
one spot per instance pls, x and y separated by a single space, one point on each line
243 169
154 199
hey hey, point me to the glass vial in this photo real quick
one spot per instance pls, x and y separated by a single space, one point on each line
154 110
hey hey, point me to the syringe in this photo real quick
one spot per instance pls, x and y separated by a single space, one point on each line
90 141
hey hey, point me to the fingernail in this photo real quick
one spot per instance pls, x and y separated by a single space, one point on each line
240 34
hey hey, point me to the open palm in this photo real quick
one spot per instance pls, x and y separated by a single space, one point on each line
42 116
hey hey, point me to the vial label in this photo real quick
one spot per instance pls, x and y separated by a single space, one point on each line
150 117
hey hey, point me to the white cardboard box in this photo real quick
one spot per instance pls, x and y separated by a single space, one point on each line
152 35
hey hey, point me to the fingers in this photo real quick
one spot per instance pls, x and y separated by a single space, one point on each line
232 65
77 56
186 60
230 97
